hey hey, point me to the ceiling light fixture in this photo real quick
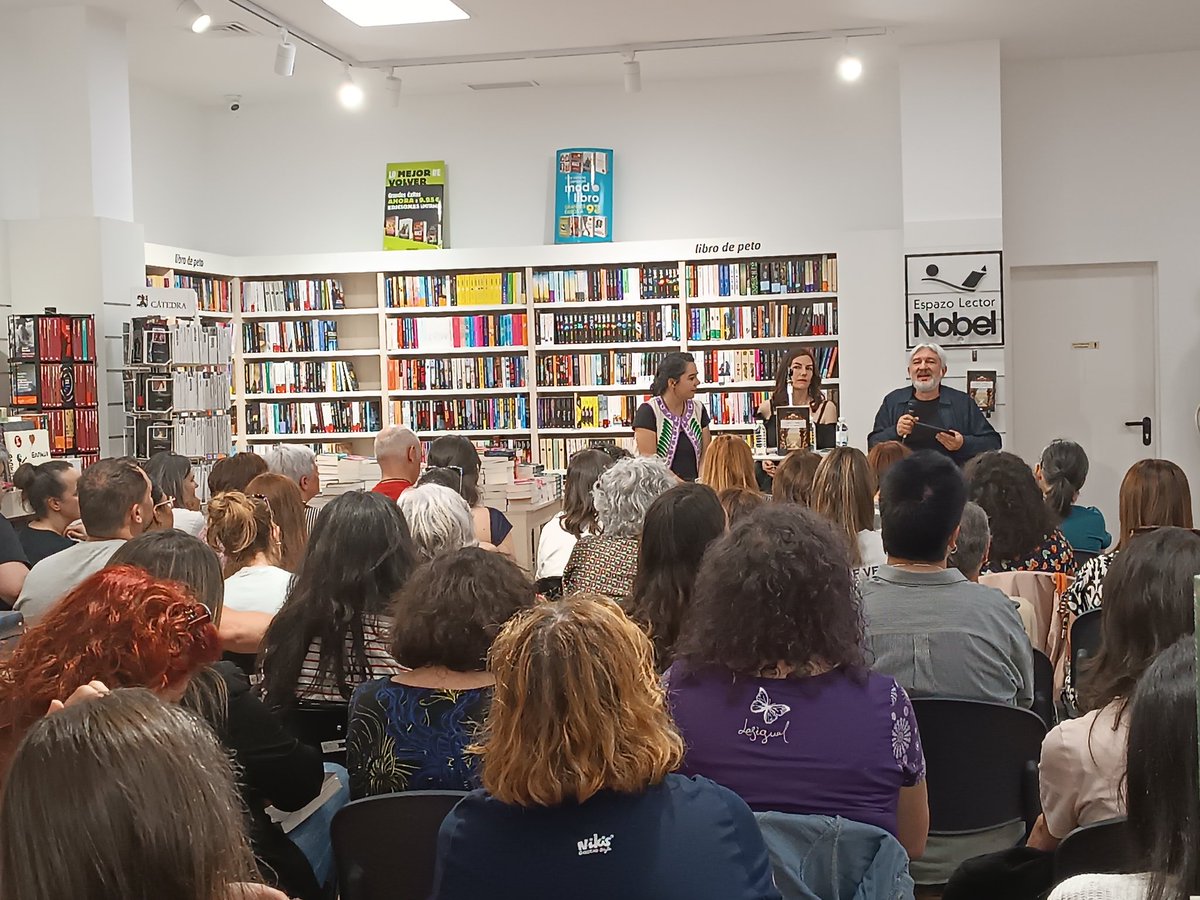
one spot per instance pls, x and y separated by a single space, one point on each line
849 67
372 13
350 95
285 55
633 74
394 85
198 20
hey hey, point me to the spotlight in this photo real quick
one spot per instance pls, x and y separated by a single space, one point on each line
394 85
198 20
285 56
350 94
633 74
849 67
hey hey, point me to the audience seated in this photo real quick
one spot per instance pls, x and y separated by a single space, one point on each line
173 474
740 502
728 463
884 455
288 511
1024 535
439 520
410 732
299 464
970 552
244 532
331 634
233 473
115 504
578 516
606 563
1061 473
578 796
679 527
1164 812
456 453
49 489
843 491
124 796
794 476
163 515
775 636
14 568
398 452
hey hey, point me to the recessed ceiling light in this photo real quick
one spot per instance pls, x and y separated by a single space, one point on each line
369 13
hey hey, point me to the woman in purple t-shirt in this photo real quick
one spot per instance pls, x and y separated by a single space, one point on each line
771 689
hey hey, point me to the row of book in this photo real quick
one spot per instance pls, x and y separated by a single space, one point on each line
187 391
463 414
212 294
301 336
606 283
460 373
300 377
556 452
653 324
472 289
800 275
197 437
292 295
52 338
720 366
735 407
73 431
589 410
603 367
449 332
312 416
762 320
155 341
53 385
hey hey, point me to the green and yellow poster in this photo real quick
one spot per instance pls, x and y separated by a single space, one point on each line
413 206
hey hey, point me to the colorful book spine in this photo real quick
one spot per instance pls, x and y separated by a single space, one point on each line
600 368
459 373
300 377
744 278
298 336
463 414
469 289
763 320
455 332
312 417
293 295
627 326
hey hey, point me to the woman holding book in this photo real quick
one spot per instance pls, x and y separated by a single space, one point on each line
673 425
797 383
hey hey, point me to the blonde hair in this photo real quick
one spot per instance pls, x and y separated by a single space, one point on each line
287 509
728 463
578 707
843 491
240 528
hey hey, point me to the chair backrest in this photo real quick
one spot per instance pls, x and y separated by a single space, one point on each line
385 847
1043 689
1085 643
1098 849
321 725
12 626
981 763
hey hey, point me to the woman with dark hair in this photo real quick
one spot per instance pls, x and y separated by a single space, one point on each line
577 762
288 513
797 383
173 474
1025 537
454 462
1061 473
49 490
794 477
680 525
331 634
410 732
1161 784
233 473
578 516
775 634
673 425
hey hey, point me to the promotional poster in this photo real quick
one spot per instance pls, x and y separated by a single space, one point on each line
414 206
583 201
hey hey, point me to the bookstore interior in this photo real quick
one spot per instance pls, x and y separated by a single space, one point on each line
194 257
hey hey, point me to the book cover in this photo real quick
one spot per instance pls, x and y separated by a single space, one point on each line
794 431
981 385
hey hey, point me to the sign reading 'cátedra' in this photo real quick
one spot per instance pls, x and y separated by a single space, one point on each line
179 303
954 299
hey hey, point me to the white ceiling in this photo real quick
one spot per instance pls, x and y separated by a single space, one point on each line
206 67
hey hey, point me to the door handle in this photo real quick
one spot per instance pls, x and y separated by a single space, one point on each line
1146 427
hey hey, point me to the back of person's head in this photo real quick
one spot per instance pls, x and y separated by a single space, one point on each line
1148 605
44 485
393 444
1004 486
240 528
680 525
1161 783
625 490
776 589
579 507
112 494
971 547
177 556
578 707
359 556
453 607
921 503
122 796
843 491
169 470
456 453
233 473
740 502
287 511
672 368
438 518
728 463
1153 492
794 477
884 455
294 461
1064 469
121 626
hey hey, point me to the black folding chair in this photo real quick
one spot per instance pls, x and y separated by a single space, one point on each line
1101 848
385 847
321 725
1043 689
1085 643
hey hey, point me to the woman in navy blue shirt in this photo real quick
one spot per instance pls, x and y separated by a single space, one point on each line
579 798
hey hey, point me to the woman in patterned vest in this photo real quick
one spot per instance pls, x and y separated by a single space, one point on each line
673 425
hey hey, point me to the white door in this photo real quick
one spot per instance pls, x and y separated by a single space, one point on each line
1083 354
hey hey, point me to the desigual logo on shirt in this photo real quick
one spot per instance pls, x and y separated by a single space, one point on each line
595 844
771 713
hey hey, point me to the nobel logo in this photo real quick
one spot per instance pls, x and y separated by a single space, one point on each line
957 325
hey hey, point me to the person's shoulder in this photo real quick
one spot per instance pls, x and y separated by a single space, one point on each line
236 681
1101 887
700 794
900 393
371 689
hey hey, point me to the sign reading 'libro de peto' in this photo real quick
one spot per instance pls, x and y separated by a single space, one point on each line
583 200
414 201
955 299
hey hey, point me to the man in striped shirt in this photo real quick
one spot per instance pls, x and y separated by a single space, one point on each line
298 463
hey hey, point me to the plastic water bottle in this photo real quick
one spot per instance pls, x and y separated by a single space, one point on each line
842 438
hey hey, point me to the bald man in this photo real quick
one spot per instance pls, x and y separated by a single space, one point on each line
398 452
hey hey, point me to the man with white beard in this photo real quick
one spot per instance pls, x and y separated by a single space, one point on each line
929 415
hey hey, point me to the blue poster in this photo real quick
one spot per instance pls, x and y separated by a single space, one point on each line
583 196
